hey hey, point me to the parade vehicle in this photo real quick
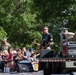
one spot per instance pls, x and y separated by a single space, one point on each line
62 63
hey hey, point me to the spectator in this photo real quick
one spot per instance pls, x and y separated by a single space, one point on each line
24 53
5 45
10 59
14 53
34 62
4 58
19 55
5 55
31 50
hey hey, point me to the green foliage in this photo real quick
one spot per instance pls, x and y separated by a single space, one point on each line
19 22
53 13
22 20
2 33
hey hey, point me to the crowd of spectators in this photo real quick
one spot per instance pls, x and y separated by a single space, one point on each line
10 57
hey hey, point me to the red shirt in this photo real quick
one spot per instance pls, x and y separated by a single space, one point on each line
10 57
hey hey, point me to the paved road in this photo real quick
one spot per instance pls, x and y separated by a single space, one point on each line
31 73
17 74
27 73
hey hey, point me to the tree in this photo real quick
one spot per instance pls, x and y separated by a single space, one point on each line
23 20
2 33
19 22
54 13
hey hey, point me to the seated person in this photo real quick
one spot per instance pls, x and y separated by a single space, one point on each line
25 54
34 61
23 51
19 55
64 35
10 59
5 55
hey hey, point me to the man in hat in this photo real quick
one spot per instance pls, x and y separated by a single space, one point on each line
47 39
63 41
63 35
5 45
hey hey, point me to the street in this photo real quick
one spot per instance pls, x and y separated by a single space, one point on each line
26 73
